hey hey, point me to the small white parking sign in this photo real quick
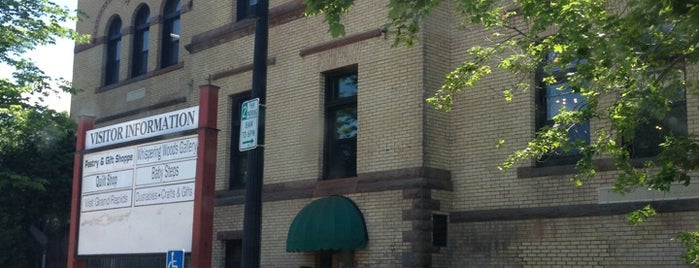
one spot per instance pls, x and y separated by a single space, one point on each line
249 114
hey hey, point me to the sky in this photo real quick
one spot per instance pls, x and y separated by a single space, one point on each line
55 60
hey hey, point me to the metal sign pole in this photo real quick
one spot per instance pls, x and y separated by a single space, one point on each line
253 186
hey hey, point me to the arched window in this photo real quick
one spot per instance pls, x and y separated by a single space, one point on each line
111 74
171 33
139 63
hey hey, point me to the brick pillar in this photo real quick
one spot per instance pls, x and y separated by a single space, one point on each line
420 236
85 123
205 179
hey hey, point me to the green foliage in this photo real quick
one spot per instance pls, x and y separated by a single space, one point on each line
36 143
640 215
691 241
332 11
630 59
24 26
35 175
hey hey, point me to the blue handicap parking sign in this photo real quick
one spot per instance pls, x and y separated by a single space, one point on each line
175 259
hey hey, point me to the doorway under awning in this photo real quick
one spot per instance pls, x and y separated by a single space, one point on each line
331 223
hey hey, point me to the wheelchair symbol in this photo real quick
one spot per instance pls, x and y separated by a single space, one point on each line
175 259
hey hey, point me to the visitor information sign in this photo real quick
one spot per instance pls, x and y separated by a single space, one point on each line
139 199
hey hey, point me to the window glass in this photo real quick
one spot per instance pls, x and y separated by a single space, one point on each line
340 154
141 38
439 230
554 97
234 256
346 123
559 96
241 9
175 36
145 41
238 160
347 86
117 51
113 52
652 132
171 34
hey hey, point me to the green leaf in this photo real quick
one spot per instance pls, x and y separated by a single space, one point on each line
638 216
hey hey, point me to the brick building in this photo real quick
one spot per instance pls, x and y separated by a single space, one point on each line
347 117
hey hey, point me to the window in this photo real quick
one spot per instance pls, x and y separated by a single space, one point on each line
329 259
139 62
652 131
549 101
340 154
238 160
234 255
111 74
439 230
171 33
241 9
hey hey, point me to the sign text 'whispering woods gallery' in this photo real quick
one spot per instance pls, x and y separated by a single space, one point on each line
139 199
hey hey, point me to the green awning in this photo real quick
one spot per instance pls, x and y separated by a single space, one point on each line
330 223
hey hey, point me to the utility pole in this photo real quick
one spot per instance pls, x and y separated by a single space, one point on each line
252 224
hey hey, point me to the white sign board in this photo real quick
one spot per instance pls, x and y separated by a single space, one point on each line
249 113
135 198
167 123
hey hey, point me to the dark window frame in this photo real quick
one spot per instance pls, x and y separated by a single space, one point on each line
542 119
334 167
326 258
233 253
238 160
440 230
241 10
139 54
170 39
113 57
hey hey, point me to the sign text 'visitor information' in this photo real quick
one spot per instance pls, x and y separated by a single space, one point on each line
167 123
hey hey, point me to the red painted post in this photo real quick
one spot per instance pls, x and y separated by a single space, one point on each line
202 231
85 123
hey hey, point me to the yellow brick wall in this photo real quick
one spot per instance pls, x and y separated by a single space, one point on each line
88 70
437 47
295 99
573 242
480 118
397 130
382 214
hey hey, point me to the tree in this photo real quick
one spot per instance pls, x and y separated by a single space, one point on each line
35 177
629 59
36 143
